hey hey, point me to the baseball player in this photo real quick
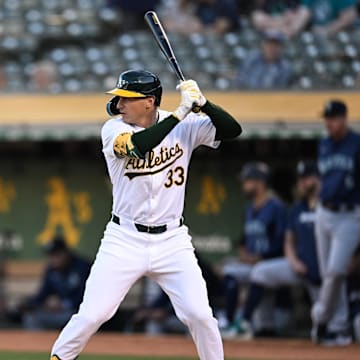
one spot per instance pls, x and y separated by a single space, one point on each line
147 151
263 237
337 223
300 265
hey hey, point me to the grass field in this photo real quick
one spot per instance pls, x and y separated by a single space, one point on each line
32 356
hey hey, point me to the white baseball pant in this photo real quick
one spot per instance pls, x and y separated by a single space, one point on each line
125 255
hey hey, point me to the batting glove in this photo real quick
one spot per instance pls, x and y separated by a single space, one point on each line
190 96
192 86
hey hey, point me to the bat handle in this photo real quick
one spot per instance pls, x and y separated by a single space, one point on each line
196 108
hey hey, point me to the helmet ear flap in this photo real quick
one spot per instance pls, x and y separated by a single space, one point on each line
157 95
111 106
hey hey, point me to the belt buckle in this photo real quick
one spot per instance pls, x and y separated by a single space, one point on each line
148 229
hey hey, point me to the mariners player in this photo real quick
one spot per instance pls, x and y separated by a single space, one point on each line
147 151
300 265
263 237
337 223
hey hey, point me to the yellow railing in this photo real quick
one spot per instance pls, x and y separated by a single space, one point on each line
253 107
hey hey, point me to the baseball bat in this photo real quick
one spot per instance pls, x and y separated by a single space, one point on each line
164 44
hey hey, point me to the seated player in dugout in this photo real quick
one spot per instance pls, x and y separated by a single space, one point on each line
61 289
300 265
263 238
147 151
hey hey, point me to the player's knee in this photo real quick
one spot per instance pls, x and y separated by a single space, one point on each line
229 270
198 316
94 320
259 275
88 321
335 274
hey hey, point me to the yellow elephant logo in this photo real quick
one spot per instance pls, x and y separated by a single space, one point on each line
66 211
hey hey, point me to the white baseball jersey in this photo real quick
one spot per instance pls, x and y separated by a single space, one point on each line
151 191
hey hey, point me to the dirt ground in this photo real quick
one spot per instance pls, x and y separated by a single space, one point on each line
119 344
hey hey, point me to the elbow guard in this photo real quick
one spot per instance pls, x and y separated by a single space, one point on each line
124 146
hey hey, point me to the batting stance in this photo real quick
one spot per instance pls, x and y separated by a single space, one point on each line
147 151
337 223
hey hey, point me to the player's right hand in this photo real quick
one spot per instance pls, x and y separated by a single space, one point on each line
299 267
190 95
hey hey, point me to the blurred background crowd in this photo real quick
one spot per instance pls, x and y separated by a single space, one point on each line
72 46
57 46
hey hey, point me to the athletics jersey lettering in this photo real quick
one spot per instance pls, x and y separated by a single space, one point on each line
162 160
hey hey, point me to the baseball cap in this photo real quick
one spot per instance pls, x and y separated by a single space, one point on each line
255 171
273 35
306 168
56 244
334 108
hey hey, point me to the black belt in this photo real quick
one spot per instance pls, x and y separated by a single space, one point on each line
338 207
147 229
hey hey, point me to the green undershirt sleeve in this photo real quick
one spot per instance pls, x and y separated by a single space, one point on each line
226 126
147 139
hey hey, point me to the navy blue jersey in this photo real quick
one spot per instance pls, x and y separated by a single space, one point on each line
68 285
301 224
265 228
339 166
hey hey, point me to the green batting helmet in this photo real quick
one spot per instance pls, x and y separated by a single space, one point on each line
138 84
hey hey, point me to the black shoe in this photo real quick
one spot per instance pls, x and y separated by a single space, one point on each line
339 338
318 332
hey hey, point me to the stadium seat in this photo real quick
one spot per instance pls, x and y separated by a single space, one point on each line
86 42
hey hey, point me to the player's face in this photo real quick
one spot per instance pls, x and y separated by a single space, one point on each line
58 260
133 109
251 188
308 185
336 126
